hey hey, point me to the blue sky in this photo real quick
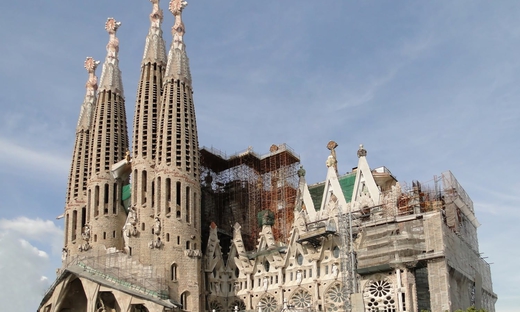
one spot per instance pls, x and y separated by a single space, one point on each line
426 86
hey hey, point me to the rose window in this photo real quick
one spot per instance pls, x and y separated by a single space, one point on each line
379 298
379 288
239 304
215 305
268 304
301 299
335 298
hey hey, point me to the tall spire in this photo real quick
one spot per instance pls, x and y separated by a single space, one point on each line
154 49
111 75
75 206
178 62
109 144
145 136
177 181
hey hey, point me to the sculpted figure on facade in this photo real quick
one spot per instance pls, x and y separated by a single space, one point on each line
157 226
335 270
130 228
299 277
332 160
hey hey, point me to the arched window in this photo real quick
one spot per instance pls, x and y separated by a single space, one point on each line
335 252
185 298
173 272
299 258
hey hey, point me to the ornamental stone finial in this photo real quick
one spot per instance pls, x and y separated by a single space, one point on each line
111 27
156 17
362 152
176 6
90 66
178 30
332 160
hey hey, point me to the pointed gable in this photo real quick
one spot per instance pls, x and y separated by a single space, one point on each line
365 193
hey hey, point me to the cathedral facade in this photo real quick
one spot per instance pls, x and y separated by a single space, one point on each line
164 225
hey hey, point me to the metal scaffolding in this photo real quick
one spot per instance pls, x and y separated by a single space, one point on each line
238 187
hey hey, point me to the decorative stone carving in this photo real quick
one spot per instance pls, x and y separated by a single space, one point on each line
301 172
86 237
64 253
332 159
197 253
362 152
111 27
130 228
157 226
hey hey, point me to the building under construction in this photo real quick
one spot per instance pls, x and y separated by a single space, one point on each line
172 227
236 188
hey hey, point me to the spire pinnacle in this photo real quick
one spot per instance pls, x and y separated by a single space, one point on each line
178 30
154 50
85 116
156 17
111 75
178 65
90 66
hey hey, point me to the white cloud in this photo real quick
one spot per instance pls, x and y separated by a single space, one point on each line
38 230
21 273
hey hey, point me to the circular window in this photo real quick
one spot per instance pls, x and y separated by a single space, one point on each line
268 304
379 288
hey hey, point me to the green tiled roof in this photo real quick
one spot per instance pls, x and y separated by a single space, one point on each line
346 183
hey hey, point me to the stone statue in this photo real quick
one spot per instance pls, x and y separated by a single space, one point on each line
335 270
332 160
265 284
86 232
301 172
299 277
157 226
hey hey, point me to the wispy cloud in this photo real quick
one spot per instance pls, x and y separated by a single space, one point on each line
17 157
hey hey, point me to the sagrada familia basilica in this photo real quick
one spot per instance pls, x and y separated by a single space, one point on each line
164 225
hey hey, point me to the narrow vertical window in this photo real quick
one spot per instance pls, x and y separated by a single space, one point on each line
115 198
144 183
74 224
96 200
187 210
178 199
173 272
66 229
105 199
